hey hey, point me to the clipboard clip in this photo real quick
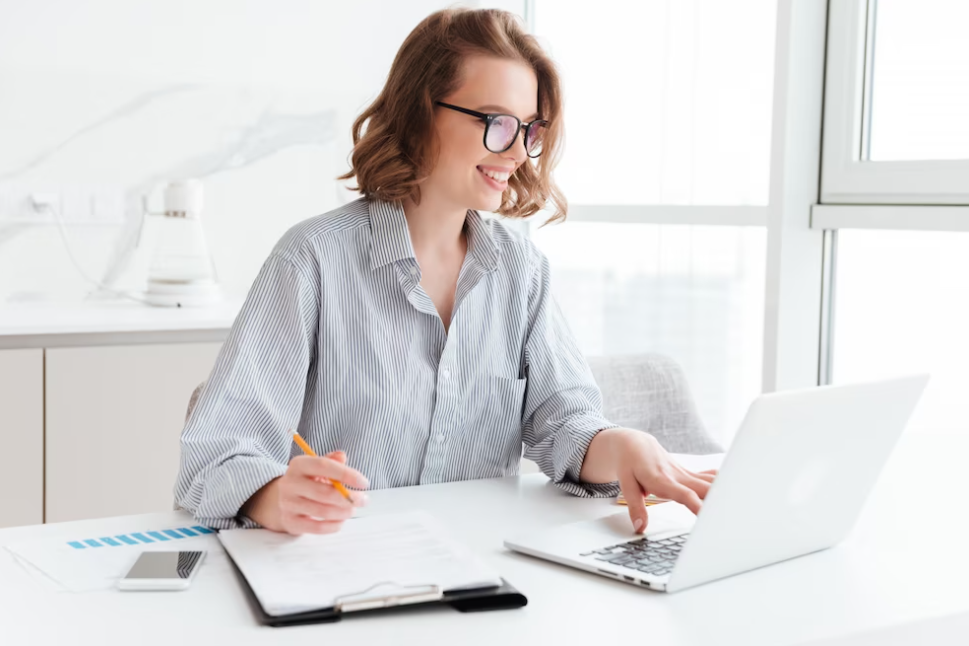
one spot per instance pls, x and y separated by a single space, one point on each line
378 596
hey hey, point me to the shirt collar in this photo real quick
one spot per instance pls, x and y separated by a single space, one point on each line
391 238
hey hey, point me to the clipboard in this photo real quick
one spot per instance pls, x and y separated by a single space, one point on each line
387 598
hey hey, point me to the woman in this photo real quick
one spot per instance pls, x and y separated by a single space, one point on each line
410 338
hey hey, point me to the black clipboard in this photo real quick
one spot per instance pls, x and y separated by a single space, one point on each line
502 597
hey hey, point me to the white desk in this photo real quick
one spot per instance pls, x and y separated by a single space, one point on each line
906 561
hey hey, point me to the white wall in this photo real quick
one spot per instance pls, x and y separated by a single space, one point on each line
107 99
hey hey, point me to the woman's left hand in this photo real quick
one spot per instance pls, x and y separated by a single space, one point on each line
644 467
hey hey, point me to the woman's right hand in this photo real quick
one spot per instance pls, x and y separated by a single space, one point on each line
302 500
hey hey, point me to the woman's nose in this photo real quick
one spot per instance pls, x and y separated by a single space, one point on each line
517 151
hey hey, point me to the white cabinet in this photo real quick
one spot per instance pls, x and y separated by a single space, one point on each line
114 416
21 437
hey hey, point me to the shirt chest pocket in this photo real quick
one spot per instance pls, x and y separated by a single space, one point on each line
493 429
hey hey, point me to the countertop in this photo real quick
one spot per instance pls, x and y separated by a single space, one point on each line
58 324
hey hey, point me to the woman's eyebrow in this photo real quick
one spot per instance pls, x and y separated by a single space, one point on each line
503 110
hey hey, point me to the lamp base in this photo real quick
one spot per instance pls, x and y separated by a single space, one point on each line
176 293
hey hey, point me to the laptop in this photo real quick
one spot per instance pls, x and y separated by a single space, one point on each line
794 482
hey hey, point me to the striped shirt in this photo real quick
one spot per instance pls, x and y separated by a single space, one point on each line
338 340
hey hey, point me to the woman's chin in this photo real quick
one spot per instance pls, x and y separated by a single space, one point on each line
490 203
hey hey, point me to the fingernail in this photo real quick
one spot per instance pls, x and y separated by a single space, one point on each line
638 524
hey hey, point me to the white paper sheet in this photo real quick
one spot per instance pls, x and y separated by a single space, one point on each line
295 573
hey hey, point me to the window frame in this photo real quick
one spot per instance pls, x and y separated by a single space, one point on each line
848 178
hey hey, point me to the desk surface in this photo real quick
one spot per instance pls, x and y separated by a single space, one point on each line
905 562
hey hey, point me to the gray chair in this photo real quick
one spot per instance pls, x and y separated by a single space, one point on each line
649 392
193 400
646 392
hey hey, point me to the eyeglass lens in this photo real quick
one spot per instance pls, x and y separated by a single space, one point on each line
534 137
502 132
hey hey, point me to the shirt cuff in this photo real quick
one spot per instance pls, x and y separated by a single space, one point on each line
229 486
581 433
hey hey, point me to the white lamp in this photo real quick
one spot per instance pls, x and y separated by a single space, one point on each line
182 273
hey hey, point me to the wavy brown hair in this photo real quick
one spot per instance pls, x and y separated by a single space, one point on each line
394 147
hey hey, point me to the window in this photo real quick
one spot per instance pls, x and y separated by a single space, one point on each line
902 307
668 108
667 101
896 96
894 168
920 81
693 293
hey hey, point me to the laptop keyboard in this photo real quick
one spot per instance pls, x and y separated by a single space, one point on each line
646 555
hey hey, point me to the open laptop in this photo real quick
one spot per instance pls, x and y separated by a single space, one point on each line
794 481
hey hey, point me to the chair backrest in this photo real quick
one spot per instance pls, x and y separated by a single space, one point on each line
193 400
649 392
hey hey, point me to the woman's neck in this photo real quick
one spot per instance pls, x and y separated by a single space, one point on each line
436 229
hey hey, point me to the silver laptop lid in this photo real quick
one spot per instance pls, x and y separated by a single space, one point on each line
796 477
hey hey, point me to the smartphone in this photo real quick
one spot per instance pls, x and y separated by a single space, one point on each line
162 571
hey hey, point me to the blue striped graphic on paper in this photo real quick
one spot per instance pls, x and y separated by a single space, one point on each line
139 538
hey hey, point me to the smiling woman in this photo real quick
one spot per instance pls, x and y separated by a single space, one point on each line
406 338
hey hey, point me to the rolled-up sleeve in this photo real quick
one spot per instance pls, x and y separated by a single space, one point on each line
563 405
237 439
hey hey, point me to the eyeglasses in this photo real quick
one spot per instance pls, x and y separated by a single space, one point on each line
501 130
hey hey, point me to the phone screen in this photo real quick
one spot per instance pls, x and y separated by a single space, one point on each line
164 565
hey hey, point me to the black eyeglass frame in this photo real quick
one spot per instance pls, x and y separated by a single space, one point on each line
488 118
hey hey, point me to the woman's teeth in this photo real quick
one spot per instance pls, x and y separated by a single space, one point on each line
496 175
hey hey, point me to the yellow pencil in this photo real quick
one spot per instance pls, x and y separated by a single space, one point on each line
308 451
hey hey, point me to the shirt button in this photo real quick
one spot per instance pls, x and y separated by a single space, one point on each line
447 373
413 271
440 438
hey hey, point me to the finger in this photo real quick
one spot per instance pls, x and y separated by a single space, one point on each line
685 496
318 491
306 507
697 484
633 492
297 525
705 476
357 498
318 467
